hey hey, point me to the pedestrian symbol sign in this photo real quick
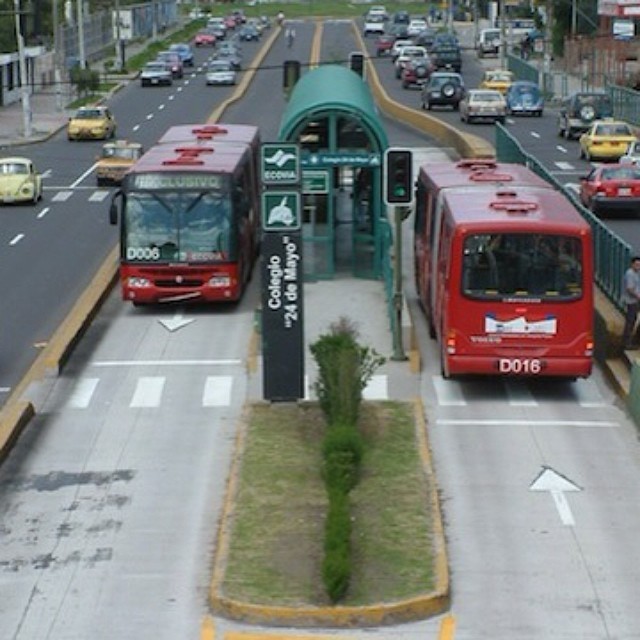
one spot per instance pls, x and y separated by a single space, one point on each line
280 210
280 163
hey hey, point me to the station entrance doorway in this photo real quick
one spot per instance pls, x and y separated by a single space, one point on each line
331 114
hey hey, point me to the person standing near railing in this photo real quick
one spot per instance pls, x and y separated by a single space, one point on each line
631 299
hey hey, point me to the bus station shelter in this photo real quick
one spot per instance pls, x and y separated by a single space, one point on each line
331 114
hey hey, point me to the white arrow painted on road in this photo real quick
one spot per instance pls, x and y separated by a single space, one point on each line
175 323
557 485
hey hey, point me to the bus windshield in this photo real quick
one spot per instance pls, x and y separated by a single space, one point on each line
543 266
178 226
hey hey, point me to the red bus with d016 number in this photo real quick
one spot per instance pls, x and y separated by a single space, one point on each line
504 271
189 212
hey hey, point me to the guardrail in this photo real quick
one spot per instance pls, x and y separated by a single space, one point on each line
612 253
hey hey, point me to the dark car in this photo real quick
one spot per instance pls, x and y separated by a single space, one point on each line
234 58
613 187
426 39
416 72
579 110
446 56
248 33
383 44
173 59
445 39
401 17
443 88
185 51
398 31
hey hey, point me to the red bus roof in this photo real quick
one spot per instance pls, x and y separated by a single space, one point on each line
472 171
211 133
191 157
511 208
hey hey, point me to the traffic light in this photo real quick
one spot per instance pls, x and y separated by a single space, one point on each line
291 74
356 63
398 176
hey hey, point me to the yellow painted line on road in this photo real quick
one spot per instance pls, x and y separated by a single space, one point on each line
208 629
447 628
242 635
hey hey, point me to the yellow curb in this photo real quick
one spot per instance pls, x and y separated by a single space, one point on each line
412 609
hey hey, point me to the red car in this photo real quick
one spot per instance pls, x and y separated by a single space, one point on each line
415 73
611 187
204 38
383 44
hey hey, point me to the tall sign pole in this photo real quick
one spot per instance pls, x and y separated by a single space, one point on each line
282 273
24 83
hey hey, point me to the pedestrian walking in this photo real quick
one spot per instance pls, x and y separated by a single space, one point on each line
291 36
631 299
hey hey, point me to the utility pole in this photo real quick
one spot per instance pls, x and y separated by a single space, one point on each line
82 59
24 85
120 49
503 35
56 57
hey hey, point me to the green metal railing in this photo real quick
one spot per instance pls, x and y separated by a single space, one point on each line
626 104
612 253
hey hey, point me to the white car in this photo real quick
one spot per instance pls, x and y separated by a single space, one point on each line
416 27
410 52
373 25
221 71
398 45
377 11
632 154
483 104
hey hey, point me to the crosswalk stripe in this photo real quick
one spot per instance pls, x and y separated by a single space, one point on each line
99 196
62 196
83 392
148 392
217 391
376 388
587 394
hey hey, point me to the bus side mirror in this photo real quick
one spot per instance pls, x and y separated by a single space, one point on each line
113 213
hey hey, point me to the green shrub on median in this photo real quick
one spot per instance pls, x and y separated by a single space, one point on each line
344 369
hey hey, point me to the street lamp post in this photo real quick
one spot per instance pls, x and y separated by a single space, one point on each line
56 57
82 59
24 85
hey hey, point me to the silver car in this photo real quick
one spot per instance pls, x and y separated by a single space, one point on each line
156 73
632 154
483 104
221 71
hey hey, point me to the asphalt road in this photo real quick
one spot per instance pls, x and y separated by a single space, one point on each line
110 500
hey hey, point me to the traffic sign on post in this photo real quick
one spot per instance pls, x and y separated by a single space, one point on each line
398 176
280 163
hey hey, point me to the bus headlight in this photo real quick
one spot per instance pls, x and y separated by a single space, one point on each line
220 281
136 282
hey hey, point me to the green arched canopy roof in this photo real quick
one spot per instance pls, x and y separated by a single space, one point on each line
332 88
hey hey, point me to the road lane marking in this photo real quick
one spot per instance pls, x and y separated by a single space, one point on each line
448 392
43 213
16 239
83 393
99 196
148 392
535 134
62 196
518 394
586 391
561 149
600 424
565 166
217 391
170 363
89 171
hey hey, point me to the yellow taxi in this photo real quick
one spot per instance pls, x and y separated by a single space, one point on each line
115 160
497 80
19 181
606 140
91 123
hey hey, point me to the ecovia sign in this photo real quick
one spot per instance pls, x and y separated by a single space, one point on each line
280 163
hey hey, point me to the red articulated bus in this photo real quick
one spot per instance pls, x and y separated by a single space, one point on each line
504 271
189 212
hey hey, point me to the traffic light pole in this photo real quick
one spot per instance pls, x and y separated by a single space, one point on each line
398 347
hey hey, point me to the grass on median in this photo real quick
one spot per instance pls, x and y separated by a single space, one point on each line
277 531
